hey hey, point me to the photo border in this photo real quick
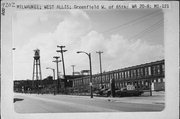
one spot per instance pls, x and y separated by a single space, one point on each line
171 41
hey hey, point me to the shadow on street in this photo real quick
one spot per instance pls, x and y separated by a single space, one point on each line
18 99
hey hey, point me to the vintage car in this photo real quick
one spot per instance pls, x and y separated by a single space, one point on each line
130 90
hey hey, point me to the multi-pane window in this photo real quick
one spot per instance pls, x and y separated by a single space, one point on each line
116 76
154 70
132 73
138 72
122 74
149 70
163 79
158 69
146 71
110 75
163 68
141 72
128 74
106 78
135 74
125 74
159 80
102 78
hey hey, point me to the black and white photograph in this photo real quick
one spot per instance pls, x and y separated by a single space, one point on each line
88 59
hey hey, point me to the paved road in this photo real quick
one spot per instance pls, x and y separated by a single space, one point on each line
26 103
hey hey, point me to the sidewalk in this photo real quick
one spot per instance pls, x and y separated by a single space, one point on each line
145 98
156 98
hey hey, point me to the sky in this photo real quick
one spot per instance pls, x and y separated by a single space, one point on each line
126 37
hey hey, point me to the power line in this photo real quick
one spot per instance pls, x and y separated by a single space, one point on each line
130 22
139 22
148 29
139 19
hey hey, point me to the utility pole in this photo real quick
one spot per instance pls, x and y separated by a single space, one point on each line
61 51
73 69
58 80
100 52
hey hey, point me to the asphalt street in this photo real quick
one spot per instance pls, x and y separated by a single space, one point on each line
34 103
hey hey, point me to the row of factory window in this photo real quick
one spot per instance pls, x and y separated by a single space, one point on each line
140 83
133 73
135 83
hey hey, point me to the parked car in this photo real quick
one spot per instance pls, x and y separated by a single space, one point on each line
128 91
103 92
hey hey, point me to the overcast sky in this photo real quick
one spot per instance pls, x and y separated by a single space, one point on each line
127 38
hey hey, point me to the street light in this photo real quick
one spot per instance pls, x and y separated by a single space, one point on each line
53 72
57 61
89 55
100 52
53 76
73 69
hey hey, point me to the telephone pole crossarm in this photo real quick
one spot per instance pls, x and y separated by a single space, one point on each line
62 51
